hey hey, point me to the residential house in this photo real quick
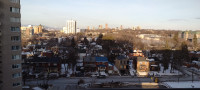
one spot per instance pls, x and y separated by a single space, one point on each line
110 68
153 64
122 63
43 65
89 64
102 63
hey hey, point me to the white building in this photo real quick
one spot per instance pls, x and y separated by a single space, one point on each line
70 27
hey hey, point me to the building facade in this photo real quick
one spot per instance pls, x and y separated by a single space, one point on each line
10 45
106 26
38 29
70 27
142 67
27 32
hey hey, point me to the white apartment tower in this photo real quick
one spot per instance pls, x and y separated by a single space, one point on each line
70 27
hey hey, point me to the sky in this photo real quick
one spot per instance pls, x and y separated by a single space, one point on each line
148 14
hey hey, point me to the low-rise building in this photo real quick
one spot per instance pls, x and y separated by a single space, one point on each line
122 64
89 64
142 66
42 65
102 63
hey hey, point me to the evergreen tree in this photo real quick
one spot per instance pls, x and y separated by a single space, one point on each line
166 59
185 52
175 39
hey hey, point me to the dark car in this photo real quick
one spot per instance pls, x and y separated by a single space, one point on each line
101 76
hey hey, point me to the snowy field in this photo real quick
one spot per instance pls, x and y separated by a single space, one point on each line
166 72
188 84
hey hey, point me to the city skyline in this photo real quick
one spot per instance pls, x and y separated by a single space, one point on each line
151 14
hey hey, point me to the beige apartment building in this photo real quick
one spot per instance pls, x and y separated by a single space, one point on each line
10 45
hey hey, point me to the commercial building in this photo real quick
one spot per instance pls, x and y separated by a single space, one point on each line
142 67
70 27
10 45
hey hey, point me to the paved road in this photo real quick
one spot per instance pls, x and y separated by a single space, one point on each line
71 83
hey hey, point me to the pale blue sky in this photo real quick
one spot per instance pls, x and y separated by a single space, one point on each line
152 14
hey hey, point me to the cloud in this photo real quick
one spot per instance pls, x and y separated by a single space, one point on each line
197 18
175 20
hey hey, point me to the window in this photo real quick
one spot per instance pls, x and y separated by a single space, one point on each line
16 75
14 19
15 47
16 57
14 10
14 1
16 66
15 29
15 38
16 84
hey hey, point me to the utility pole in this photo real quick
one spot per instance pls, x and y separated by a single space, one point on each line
192 75
178 75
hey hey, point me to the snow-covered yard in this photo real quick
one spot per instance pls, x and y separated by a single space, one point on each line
115 69
188 84
166 72
131 70
68 69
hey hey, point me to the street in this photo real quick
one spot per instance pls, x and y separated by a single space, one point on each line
72 82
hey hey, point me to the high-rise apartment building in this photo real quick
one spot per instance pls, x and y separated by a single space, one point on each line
133 28
10 45
88 27
138 28
100 27
38 29
121 27
106 26
27 32
70 27
93 28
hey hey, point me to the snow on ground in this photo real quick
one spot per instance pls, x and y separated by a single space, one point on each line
68 69
166 72
131 70
195 69
63 68
103 73
37 88
188 84
115 69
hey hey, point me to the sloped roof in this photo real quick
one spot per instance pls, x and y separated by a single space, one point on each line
45 59
121 57
101 59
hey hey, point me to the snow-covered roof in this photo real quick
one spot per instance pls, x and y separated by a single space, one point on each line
198 52
154 65
151 60
37 88
79 64
26 53
93 43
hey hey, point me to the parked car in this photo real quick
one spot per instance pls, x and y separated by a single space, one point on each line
101 76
